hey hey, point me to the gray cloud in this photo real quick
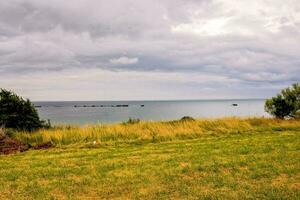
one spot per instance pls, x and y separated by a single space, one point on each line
249 46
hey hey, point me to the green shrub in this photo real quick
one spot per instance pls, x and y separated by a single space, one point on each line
187 118
17 113
132 121
285 104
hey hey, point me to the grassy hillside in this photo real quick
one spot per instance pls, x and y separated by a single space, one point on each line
204 159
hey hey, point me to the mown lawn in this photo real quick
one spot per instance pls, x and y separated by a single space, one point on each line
255 165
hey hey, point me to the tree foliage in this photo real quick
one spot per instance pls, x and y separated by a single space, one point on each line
15 112
286 104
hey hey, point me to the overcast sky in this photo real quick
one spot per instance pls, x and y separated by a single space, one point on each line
148 49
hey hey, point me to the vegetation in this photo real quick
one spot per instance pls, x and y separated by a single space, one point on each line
285 104
145 132
230 158
132 121
15 112
9 145
187 118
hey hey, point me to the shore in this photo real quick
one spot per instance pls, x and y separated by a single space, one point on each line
228 158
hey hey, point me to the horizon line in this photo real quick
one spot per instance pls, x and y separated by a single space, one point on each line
210 99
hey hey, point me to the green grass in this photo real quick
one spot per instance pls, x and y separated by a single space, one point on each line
261 161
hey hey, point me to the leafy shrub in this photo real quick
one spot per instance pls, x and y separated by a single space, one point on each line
285 104
132 121
17 113
187 118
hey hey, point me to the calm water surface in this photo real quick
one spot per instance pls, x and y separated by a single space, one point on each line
91 112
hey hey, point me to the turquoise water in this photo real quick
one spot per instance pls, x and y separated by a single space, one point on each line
91 112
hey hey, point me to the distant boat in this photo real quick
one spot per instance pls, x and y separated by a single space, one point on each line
234 104
142 105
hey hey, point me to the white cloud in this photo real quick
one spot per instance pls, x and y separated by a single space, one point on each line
212 27
124 60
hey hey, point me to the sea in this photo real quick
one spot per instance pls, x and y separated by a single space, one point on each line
104 112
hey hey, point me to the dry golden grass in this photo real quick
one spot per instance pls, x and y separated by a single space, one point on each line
153 131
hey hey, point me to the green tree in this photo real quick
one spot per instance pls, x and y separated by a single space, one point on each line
15 112
285 104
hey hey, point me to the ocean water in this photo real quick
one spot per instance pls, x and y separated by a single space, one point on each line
92 112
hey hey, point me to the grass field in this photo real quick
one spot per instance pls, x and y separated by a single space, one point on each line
227 158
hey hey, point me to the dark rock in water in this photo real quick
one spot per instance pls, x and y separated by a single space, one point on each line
121 105
94 106
234 104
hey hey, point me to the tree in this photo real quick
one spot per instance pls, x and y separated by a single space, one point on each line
15 112
286 104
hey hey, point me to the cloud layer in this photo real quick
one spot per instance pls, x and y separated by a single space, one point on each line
126 49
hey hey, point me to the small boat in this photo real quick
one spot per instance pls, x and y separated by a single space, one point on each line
234 104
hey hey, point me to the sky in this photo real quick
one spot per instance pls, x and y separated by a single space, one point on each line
148 49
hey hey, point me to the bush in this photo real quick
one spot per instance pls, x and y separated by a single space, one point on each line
15 112
132 121
187 118
286 104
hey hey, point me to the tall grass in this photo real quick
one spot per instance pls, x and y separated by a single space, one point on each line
142 132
